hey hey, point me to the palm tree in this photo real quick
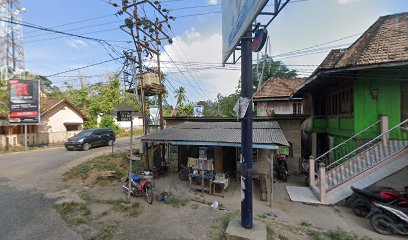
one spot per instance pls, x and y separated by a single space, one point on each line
180 96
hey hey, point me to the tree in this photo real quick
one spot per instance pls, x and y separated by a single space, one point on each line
226 104
4 107
270 69
180 96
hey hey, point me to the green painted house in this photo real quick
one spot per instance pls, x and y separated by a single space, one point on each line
354 86
358 102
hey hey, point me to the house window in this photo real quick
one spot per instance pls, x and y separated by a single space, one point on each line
72 128
297 108
338 101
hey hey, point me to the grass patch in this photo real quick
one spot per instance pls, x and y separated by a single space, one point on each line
132 210
105 231
219 227
305 223
315 235
194 206
178 202
74 213
340 234
97 165
270 232
282 237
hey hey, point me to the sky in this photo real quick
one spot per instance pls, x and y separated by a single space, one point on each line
197 47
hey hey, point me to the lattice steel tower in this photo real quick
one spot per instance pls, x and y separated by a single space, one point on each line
11 37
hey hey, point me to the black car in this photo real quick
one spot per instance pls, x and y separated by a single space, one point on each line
91 138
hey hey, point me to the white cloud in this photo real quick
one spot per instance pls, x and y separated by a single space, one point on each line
77 43
212 2
346 1
191 34
199 52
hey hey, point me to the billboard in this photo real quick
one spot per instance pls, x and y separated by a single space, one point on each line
198 111
237 17
24 102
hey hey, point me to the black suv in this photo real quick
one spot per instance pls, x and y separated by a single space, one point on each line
91 138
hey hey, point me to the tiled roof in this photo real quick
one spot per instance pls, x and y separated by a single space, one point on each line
386 41
268 133
226 125
49 103
277 87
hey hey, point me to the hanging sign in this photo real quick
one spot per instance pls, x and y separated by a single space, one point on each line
259 40
124 116
24 102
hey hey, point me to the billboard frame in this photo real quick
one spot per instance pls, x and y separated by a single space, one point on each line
22 123
240 33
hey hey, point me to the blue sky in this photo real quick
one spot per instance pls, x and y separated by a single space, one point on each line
198 38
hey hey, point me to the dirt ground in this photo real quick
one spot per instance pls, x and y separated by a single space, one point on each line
189 215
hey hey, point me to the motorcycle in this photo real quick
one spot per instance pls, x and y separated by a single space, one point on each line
183 173
282 167
139 186
361 201
387 219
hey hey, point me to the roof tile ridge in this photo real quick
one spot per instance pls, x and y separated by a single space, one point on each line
270 79
363 41
280 80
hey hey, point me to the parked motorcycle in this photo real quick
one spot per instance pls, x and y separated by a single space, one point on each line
282 167
387 219
183 173
139 186
361 201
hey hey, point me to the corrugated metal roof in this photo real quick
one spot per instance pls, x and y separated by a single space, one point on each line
268 133
226 125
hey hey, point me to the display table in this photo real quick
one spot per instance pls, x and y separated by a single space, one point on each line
201 174
199 182
223 183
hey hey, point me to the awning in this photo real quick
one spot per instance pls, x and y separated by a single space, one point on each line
265 135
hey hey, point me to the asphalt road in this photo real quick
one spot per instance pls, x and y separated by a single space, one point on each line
25 178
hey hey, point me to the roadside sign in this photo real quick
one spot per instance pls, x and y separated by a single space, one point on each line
24 102
198 110
237 17
259 41
124 116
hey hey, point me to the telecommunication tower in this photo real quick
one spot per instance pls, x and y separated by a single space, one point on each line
11 37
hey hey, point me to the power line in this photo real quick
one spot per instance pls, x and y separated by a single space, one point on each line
73 29
87 66
72 23
54 31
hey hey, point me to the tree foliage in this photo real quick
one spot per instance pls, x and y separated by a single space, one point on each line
270 69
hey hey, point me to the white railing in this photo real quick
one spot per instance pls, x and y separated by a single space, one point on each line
326 154
370 143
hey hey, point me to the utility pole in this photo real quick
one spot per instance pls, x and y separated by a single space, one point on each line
246 128
147 36
160 98
139 57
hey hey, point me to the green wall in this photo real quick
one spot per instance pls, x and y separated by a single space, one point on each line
367 109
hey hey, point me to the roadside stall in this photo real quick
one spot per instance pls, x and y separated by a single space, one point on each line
210 153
